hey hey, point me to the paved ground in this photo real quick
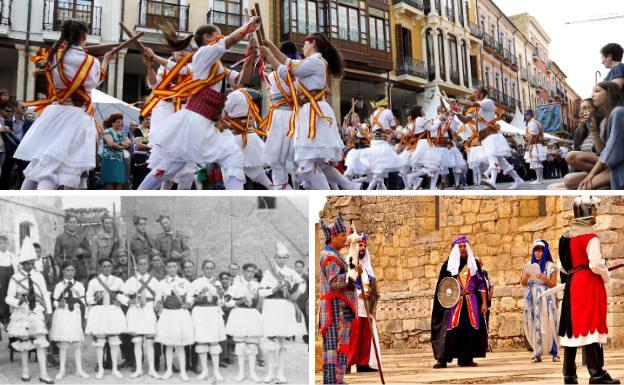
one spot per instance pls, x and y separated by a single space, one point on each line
524 186
296 370
498 368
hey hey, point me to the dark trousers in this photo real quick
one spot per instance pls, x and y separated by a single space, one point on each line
595 361
191 357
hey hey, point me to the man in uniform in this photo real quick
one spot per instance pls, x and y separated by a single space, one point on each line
103 243
140 243
74 246
302 301
171 244
337 302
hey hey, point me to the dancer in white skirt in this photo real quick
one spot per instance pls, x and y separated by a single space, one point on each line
317 138
360 140
174 328
241 115
282 320
244 323
190 135
536 152
106 320
141 316
494 143
279 150
451 159
29 300
207 294
406 149
66 331
61 143
425 159
380 159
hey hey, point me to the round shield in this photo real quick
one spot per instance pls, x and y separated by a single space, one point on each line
448 292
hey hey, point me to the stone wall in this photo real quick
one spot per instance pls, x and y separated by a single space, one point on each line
410 238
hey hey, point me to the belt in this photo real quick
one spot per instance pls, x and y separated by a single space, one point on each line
276 296
577 269
487 132
443 142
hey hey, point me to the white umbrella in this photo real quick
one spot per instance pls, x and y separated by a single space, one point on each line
104 105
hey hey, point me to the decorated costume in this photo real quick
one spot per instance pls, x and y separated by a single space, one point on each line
535 153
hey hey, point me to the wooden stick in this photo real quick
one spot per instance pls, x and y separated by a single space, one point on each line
126 43
101 47
260 31
130 34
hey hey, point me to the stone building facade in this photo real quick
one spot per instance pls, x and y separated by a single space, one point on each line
410 238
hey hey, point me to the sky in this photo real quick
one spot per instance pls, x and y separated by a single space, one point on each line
575 47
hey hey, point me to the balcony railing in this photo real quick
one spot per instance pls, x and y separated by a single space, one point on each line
524 74
490 42
349 34
378 44
418 4
153 13
460 18
476 83
450 14
454 74
55 12
535 82
411 66
475 30
539 54
510 58
5 12
227 22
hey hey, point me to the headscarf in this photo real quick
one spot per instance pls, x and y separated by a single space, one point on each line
454 258
546 257
365 261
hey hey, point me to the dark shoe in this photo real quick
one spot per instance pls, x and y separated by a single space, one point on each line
52 362
570 379
126 364
46 381
439 365
604 379
25 379
366 368
175 369
222 364
348 371
468 364
260 363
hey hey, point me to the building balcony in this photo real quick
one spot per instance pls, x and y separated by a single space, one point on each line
539 55
227 22
409 7
524 74
476 83
510 58
450 15
509 101
5 16
437 4
454 77
55 12
493 46
475 30
413 67
153 13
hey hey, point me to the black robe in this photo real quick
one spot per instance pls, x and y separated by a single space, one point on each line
443 346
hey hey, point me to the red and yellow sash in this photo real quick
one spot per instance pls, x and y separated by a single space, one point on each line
72 86
265 125
253 113
375 121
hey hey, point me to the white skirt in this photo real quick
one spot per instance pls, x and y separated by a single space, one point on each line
60 145
141 320
380 158
353 162
188 137
209 325
326 145
406 157
161 112
456 160
175 328
535 155
67 325
253 151
244 322
476 157
495 146
26 324
279 148
425 155
105 321
279 319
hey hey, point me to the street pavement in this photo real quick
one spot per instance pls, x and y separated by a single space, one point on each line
508 367
525 186
10 373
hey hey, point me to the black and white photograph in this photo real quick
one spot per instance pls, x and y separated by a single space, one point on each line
153 289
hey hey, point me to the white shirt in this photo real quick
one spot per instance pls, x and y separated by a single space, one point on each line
7 259
211 287
113 283
274 90
422 124
173 286
269 282
487 112
203 60
596 262
15 290
311 71
242 288
170 65
533 127
134 283
73 59
385 119
78 291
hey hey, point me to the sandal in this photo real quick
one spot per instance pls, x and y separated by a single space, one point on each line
536 360
556 359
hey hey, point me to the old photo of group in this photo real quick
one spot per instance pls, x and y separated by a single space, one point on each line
154 289
469 289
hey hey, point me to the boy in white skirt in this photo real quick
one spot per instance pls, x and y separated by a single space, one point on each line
244 322
29 300
141 317
106 320
282 321
174 328
69 302
207 297
535 154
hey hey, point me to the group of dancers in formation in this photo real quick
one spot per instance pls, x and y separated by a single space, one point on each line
173 312
195 121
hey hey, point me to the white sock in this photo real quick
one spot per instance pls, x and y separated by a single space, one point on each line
47 184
